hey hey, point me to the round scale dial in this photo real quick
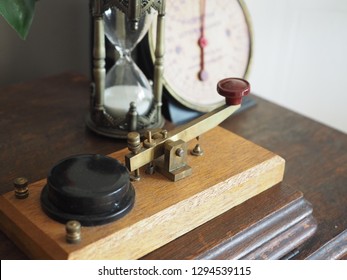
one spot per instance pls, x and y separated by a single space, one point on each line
205 42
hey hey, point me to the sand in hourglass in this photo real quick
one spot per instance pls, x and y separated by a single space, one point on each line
118 98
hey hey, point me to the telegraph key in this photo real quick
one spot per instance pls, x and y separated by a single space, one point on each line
95 189
169 149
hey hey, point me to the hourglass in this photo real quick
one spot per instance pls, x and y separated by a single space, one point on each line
125 83
122 99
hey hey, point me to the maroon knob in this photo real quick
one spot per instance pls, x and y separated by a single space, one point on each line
233 89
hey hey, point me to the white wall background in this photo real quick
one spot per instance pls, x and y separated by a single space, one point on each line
300 56
299 59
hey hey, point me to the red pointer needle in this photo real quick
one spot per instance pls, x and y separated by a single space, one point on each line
202 42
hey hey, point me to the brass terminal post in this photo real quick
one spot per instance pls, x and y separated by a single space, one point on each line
21 189
73 232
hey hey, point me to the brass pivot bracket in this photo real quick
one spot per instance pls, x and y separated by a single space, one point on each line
168 150
173 164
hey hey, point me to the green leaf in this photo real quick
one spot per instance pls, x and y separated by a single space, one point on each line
19 14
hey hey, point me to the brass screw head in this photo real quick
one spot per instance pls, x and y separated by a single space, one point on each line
21 189
180 152
73 232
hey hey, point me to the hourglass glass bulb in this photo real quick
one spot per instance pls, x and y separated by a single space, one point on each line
125 83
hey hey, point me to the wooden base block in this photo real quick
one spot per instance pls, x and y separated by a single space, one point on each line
231 171
270 225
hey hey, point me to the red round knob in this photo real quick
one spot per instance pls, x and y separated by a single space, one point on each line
233 89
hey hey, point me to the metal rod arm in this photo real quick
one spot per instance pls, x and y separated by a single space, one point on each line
185 132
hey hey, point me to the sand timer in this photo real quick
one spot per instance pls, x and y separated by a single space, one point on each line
122 99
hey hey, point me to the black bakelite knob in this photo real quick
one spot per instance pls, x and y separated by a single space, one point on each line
93 189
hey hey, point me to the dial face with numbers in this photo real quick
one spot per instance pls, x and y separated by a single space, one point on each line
205 41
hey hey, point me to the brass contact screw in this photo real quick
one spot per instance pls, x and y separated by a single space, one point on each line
197 151
21 189
148 143
73 232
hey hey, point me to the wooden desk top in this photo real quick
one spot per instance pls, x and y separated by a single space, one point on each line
43 121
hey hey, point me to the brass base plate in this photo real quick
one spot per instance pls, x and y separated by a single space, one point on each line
231 171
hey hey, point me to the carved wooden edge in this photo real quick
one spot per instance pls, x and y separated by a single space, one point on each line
271 238
286 242
275 229
333 250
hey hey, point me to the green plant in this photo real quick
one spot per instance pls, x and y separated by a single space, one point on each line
19 14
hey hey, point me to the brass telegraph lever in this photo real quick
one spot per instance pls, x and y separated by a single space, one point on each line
169 149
